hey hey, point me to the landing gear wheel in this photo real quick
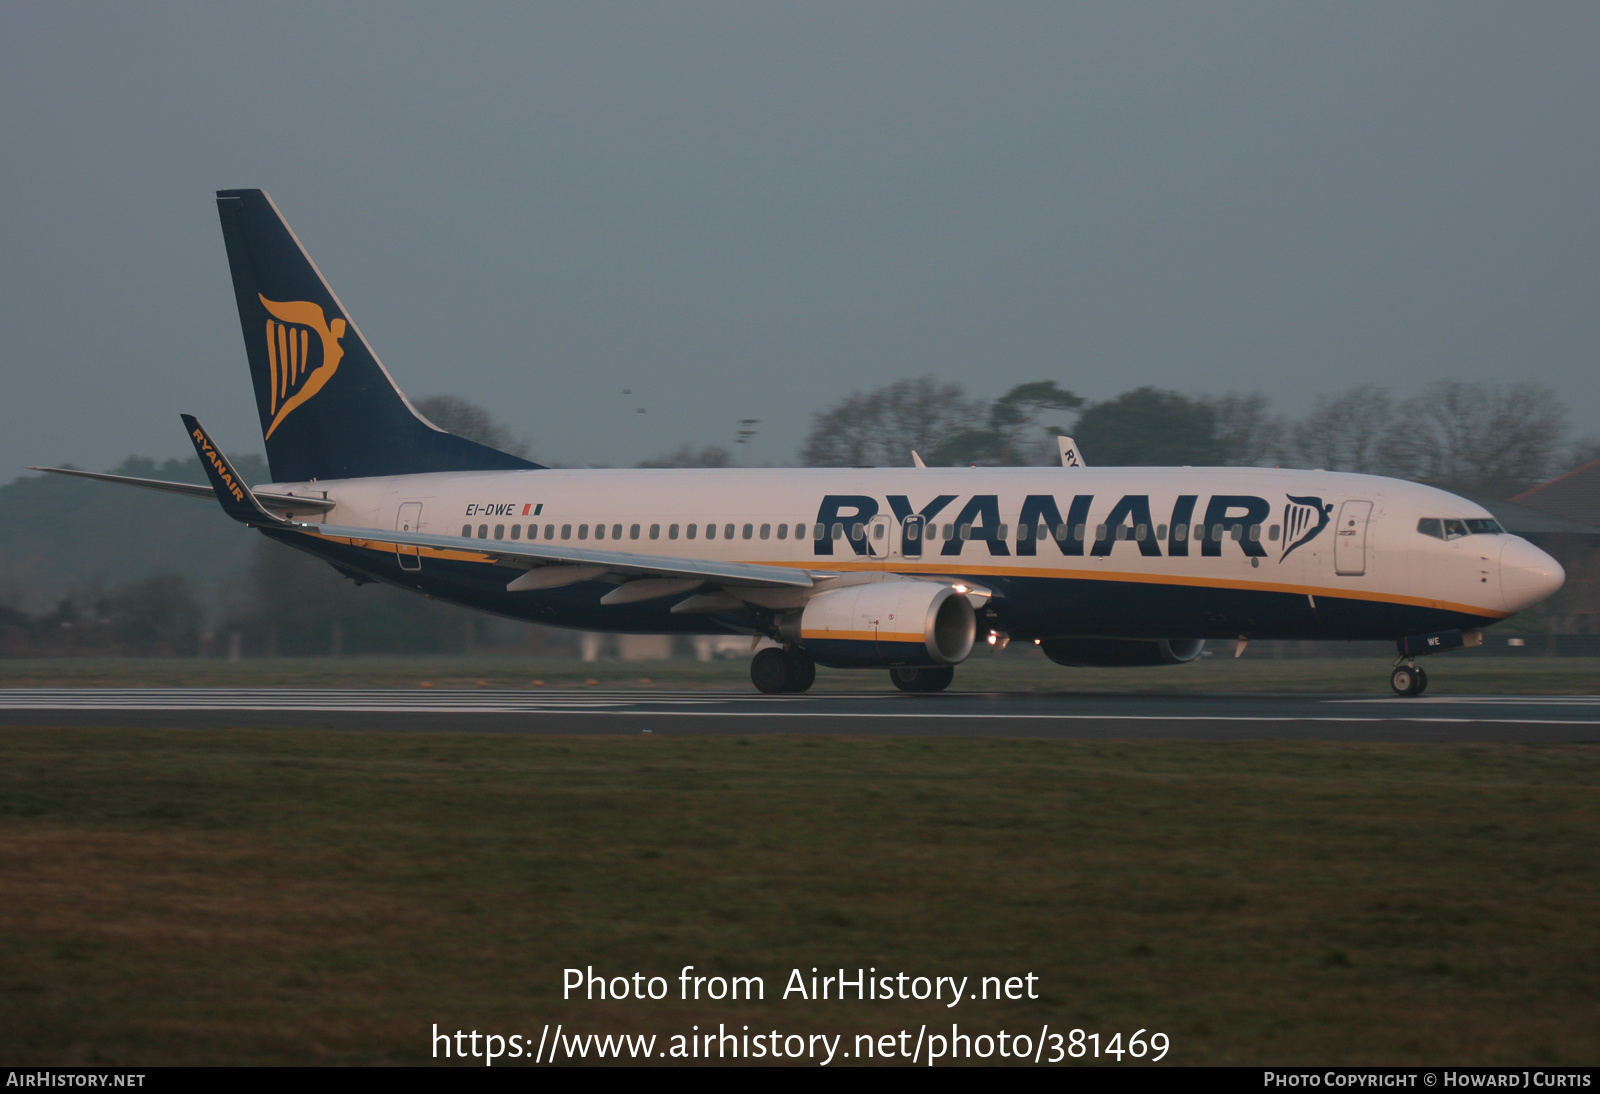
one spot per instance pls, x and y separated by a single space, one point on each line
804 671
922 680
1408 680
772 671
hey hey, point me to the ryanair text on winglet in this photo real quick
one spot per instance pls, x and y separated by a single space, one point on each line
216 462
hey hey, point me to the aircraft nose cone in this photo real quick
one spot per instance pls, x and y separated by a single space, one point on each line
1527 574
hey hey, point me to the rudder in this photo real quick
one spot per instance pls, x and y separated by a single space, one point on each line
329 409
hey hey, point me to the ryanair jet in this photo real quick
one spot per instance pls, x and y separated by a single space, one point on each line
902 569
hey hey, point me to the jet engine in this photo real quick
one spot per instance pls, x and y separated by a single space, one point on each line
885 624
1118 652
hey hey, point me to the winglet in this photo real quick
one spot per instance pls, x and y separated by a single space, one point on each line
1070 456
237 500
916 459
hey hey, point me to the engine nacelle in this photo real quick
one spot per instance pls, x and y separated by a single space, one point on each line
885 624
1120 652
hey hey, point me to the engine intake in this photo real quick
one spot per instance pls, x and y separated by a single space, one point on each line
1119 652
886 623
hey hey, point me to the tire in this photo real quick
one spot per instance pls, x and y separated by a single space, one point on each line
771 671
1421 683
803 671
907 679
938 679
1404 680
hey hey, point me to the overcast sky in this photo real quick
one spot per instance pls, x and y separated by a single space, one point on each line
748 210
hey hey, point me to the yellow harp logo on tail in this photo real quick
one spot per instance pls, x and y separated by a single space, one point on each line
288 353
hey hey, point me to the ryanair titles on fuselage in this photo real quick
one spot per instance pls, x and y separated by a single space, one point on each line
1086 528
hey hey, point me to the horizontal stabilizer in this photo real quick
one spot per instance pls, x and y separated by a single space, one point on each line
288 503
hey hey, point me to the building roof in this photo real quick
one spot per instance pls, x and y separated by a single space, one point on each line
1575 495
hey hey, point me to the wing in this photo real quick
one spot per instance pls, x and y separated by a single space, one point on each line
287 503
611 562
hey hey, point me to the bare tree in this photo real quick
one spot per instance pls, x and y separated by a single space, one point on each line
880 428
1249 435
1344 432
1496 439
687 455
464 419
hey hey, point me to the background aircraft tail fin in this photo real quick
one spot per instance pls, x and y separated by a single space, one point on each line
329 409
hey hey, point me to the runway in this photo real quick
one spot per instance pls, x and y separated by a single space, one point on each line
1200 716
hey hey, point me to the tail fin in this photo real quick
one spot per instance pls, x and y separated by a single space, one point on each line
329 409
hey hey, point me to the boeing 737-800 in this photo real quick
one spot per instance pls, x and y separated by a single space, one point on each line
902 569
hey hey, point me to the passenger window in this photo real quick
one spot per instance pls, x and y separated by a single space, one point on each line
727 532
516 531
616 531
1272 533
1161 531
1255 533
711 531
1061 533
1000 532
966 531
672 532
766 531
1237 533
912 532
858 531
633 531
1122 531
877 531
466 531
1101 533
583 531
549 531
690 531
838 531
1077 533
599 532
818 531
783 532
499 531
1216 532
750 530
566 531
655 531
483 531
1024 531
1180 532
1140 532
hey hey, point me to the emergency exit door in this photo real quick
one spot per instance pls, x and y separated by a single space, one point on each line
1350 540
409 520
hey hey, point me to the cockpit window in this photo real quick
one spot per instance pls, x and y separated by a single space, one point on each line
1448 528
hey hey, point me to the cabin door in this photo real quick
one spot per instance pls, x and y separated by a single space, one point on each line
409 520
1350 542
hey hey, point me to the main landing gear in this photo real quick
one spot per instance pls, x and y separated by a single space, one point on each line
1407 679
922 679
775 671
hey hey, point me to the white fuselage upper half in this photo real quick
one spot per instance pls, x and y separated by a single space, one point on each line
1356 538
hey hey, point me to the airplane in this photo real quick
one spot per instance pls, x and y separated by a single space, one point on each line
897 569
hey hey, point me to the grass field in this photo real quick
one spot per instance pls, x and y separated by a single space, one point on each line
1466 672
275 896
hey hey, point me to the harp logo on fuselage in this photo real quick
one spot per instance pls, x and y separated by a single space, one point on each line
290 371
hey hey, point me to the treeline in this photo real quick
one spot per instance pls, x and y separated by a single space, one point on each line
1494 439
287 604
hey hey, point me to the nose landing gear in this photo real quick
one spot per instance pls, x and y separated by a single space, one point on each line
1407 679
